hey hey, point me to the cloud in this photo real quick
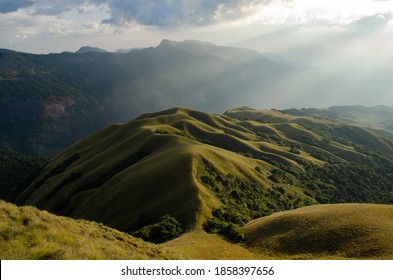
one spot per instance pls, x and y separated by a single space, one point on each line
57 7
370 24
46 7
169 13
13 5
161 13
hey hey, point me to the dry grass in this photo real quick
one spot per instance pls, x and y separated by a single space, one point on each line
354 231
27 233
198 245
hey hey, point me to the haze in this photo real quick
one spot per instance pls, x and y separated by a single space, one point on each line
348 42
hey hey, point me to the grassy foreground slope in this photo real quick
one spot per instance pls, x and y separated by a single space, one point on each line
342 231
27 233
356 231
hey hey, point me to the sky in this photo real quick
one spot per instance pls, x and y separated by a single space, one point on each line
335 35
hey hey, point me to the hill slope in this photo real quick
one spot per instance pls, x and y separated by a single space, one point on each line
357 231
377 118
129 175
27 233
208 171
199 245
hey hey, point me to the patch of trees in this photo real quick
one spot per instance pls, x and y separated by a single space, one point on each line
164 229
244 200
351 182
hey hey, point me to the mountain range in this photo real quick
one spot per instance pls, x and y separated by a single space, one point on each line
50 101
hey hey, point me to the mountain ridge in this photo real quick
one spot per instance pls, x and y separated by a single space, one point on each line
211 172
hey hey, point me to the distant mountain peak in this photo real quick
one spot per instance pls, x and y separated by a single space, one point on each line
87 49
167 42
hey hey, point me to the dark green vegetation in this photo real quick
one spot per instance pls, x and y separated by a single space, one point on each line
356 231
166 228
16 170
27 233
48 102
182 170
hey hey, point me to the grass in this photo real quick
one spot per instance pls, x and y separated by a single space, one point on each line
27 233
337 231
199 245
342 231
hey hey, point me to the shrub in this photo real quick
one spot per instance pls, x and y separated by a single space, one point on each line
234 233
165 229
295 150
230 230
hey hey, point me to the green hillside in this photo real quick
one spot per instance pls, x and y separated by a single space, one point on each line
377 118
341 231
27 233
210 172
346 131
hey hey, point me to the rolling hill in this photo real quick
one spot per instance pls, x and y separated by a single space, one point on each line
182 170
355 231
377 118
27 233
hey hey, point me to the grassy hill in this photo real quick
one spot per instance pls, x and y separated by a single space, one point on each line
377 118
27 233
338 129
354 231
209 172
